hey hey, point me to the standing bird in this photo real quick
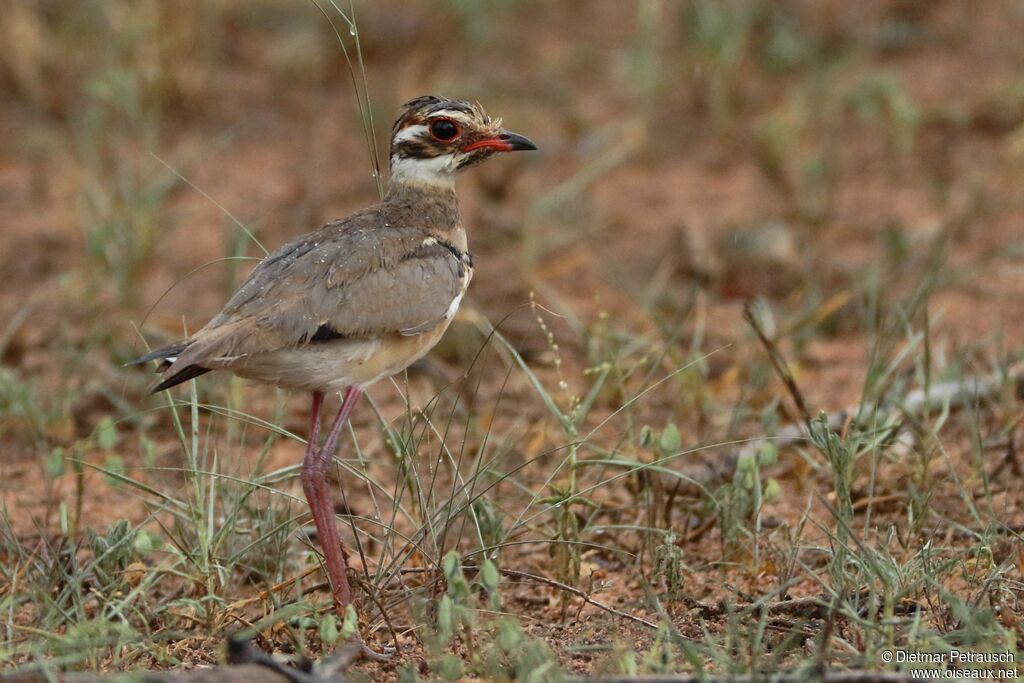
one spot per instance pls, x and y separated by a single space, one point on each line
360 299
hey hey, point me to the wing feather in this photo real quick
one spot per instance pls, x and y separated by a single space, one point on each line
344 278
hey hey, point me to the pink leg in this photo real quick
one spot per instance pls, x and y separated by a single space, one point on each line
314 421
315 467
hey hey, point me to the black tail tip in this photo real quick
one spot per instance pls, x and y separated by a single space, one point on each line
180 377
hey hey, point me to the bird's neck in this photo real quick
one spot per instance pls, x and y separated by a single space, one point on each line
429 173
435 209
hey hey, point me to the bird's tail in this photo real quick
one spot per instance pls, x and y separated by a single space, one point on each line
168 354
168 357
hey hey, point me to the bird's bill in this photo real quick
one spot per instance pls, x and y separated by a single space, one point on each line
505 141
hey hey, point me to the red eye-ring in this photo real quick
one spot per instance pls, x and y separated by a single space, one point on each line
444 130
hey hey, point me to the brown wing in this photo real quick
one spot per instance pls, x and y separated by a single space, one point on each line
354 279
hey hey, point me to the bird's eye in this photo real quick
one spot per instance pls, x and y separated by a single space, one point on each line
444 130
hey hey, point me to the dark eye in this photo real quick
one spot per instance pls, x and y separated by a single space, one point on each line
444 130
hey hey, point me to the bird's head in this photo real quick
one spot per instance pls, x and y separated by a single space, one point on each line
435 137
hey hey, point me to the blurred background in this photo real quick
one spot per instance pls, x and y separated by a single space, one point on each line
854 169
805 153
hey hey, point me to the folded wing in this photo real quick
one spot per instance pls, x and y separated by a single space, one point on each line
343 281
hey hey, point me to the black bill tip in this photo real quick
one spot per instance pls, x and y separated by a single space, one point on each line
516 142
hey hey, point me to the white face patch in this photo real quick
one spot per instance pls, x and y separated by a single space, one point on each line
439 171
410 132
459 116
436 171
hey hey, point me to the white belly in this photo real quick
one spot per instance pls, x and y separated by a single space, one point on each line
337 365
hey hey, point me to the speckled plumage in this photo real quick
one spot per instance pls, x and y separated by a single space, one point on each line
334 308
363 283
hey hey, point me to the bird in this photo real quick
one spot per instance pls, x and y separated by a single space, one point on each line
358 300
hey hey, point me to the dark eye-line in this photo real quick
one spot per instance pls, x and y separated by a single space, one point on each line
444 130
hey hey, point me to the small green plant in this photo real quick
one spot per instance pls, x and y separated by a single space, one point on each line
882 98
669 567
720 35
123 193
840 458
741 501
498 649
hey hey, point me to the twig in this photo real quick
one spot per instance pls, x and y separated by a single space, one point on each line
954 394
246 664
240 652
265 594
514 574
778 362
246 673
807 608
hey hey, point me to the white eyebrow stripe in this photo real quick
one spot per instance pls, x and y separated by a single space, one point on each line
410 132
451 114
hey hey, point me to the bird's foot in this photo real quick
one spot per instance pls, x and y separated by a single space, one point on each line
356 647
349 653
366 652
